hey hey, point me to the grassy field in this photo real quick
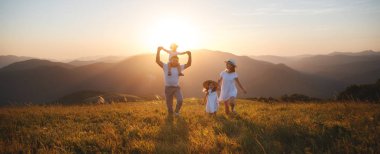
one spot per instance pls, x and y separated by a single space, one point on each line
144 127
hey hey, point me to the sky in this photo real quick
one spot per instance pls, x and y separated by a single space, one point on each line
64 29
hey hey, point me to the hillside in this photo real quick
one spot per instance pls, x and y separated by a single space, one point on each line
365 92
140 75
92 97
33 64
9 59
350 68
143 127
87 61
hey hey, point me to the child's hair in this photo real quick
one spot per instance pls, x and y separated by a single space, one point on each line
173 46
206 89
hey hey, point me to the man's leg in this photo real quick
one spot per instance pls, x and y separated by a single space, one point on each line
169 99
178 95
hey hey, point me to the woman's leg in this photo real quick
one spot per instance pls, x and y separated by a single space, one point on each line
232 103
227 107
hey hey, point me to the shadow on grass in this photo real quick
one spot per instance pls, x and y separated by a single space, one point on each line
289 138
173 136
242 131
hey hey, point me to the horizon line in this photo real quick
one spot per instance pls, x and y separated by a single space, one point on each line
94 57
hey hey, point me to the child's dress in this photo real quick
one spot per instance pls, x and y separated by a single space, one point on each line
212 102
228 88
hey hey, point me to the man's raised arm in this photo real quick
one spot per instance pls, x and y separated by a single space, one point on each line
158 58
188 64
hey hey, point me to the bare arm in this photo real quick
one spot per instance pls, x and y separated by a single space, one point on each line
205 99
188 64
167 51
182 53
174 52
219 81
241 87
158 58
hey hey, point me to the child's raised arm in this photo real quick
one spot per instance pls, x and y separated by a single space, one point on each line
167 51
182 53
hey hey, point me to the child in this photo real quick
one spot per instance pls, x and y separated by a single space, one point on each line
210 88
174 52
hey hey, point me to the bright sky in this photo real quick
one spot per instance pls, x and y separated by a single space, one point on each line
81 28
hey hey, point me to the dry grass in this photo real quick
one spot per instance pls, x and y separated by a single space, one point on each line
143 127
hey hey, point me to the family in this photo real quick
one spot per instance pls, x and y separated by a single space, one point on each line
226 83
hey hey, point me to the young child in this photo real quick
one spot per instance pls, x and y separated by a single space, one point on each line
211 96
174 52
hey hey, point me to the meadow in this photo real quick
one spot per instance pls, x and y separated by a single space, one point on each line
144 127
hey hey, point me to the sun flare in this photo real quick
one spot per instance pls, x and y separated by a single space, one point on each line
173 30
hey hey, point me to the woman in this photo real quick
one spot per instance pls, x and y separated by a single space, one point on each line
228 92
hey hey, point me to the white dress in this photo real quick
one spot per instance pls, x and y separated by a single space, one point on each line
228 88
212 102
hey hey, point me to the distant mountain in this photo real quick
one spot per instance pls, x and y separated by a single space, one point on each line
42 80
111 59
81 63
33 63
9 59
140 75
351 68
92 60
279 59
362 53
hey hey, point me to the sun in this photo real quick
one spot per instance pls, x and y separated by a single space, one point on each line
172 30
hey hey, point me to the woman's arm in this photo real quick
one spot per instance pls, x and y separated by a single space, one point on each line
241 87
219 81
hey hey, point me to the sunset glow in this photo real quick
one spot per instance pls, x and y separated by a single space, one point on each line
70 29
172 30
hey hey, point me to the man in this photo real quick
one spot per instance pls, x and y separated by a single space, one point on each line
172 88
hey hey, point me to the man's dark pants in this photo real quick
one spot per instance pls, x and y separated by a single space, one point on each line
170 93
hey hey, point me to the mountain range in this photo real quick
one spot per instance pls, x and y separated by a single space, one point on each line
9 59
37 80
349 68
